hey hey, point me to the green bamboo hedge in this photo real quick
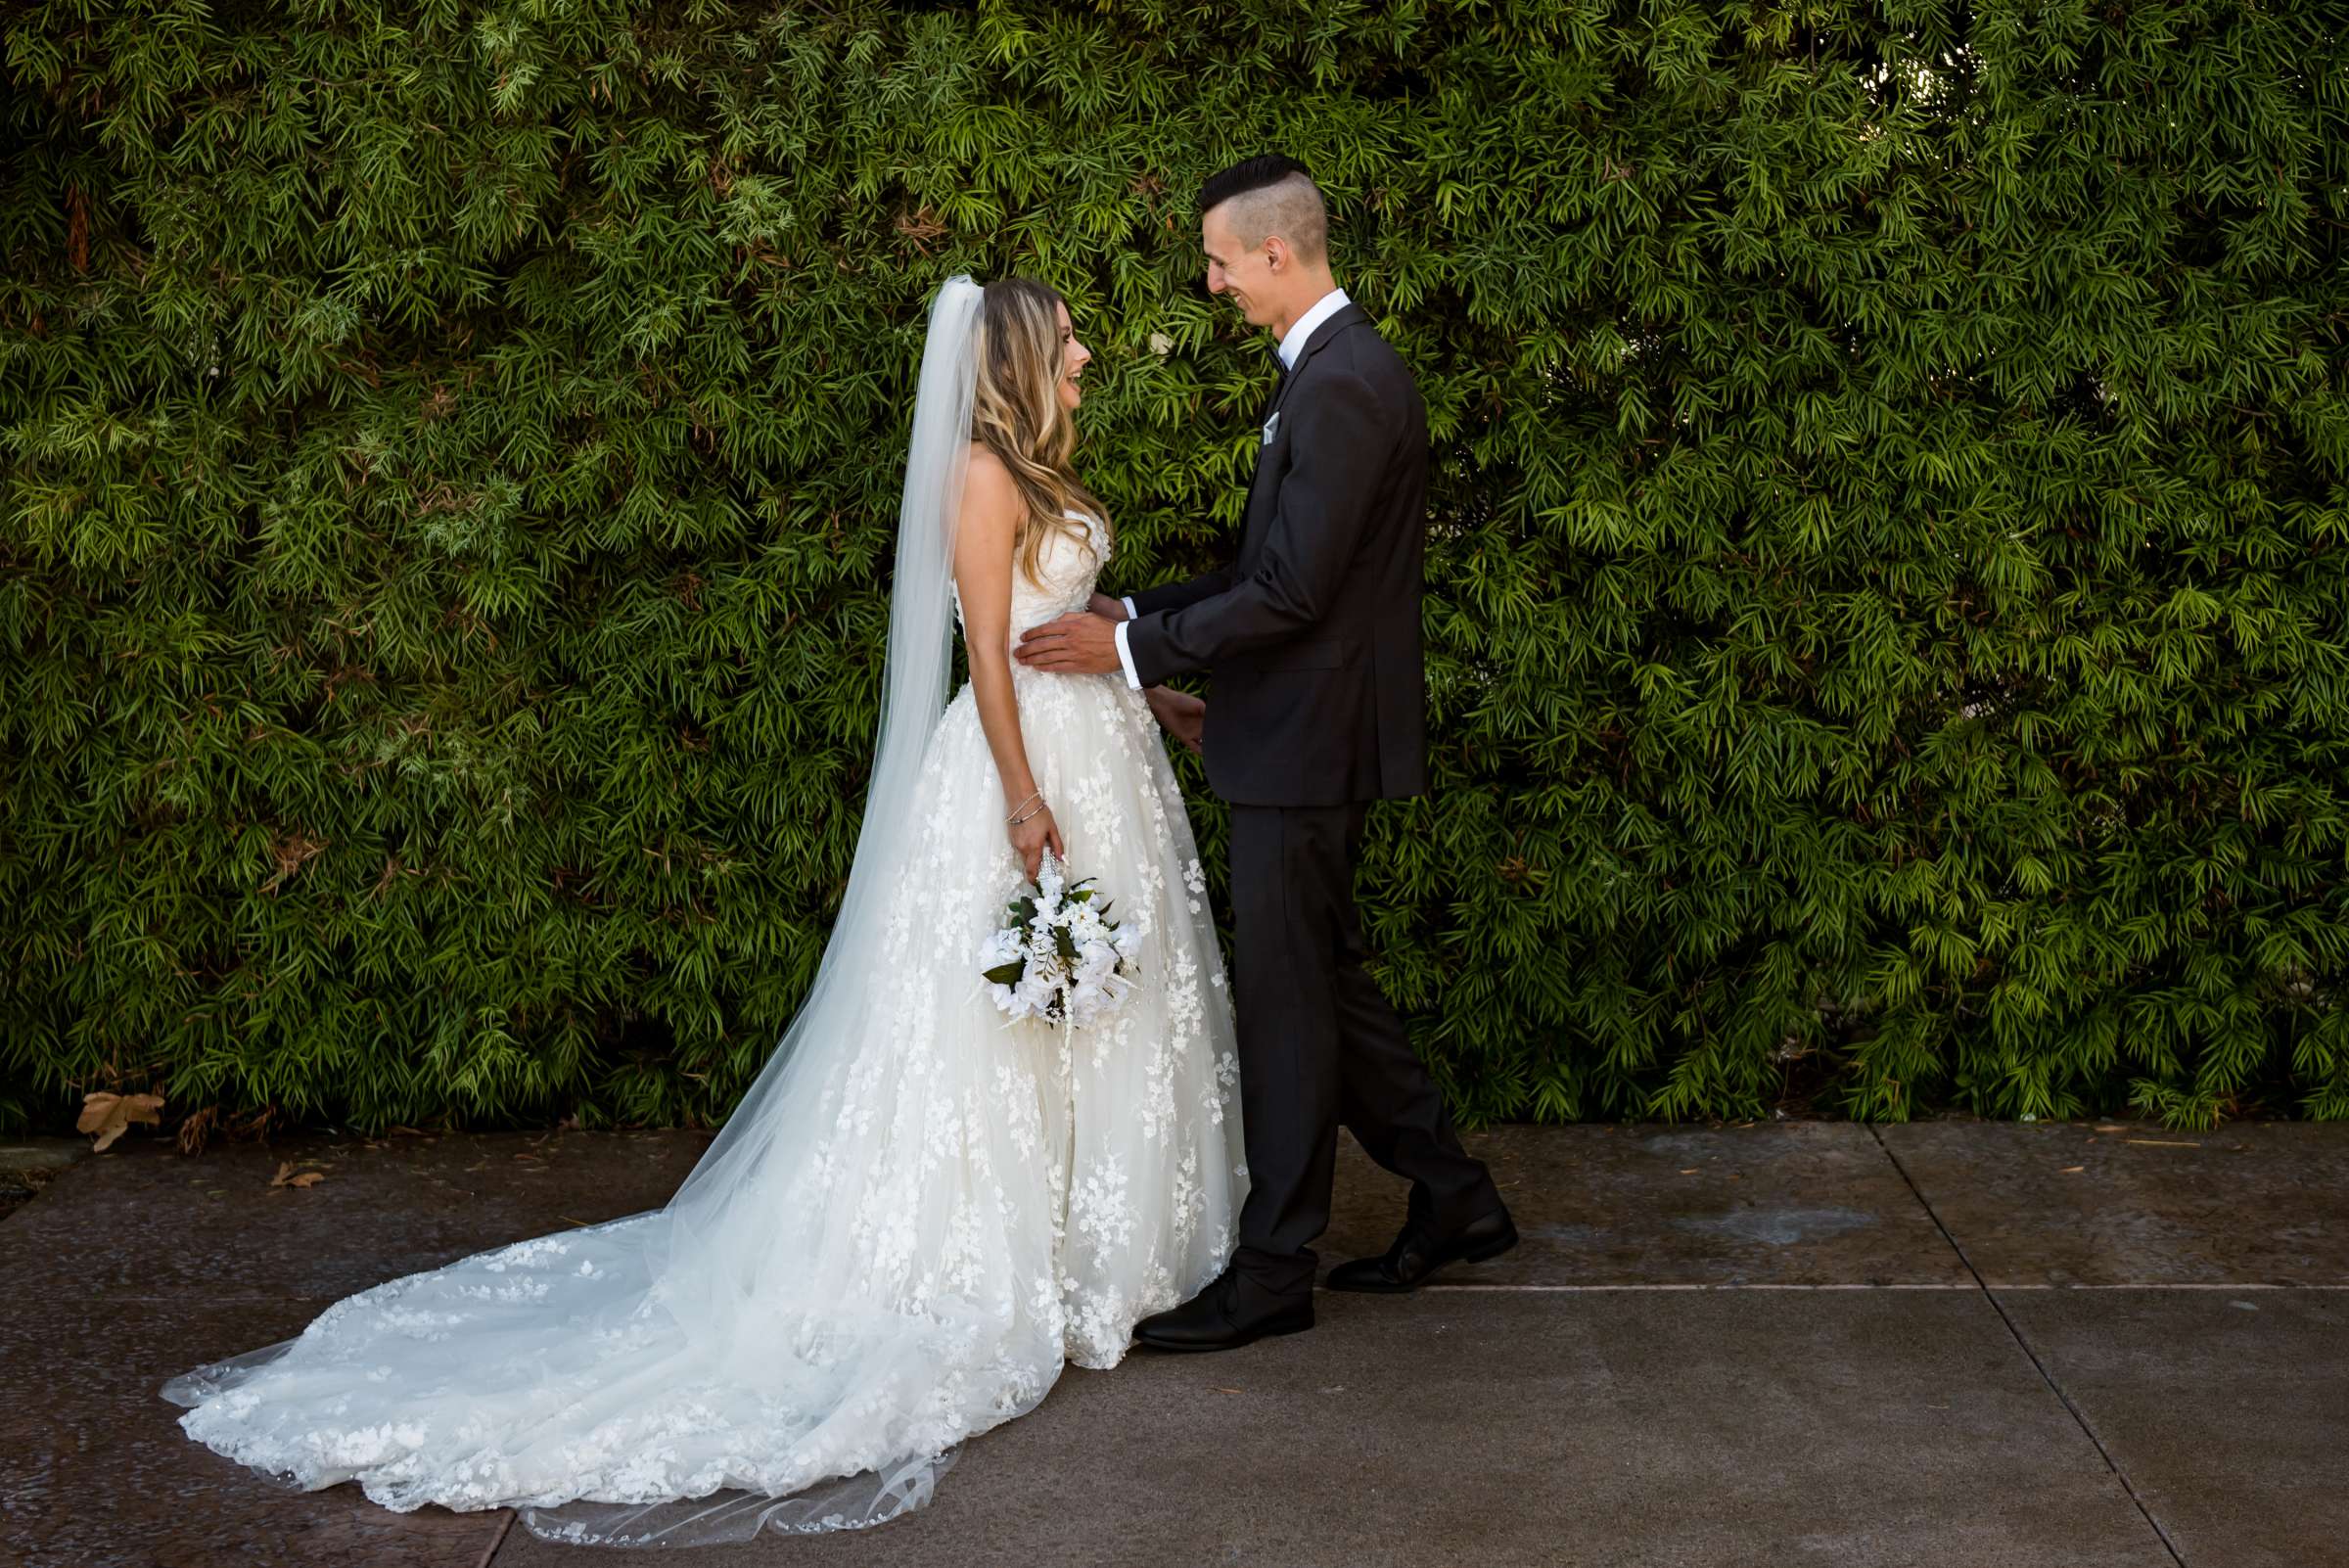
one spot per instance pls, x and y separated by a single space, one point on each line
1886 584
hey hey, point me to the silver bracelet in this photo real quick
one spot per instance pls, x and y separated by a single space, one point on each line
1015 818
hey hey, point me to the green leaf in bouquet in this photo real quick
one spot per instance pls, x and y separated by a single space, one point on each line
1007 974
1065 942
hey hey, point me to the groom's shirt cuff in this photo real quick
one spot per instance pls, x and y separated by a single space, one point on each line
1124 654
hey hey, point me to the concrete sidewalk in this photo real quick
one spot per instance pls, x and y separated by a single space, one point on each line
2050 1346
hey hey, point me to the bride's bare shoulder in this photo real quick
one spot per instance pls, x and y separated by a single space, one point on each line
988 495
986 470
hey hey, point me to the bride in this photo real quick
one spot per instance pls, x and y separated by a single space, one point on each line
920 1210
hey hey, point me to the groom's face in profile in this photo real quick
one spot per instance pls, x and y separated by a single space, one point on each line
1244 274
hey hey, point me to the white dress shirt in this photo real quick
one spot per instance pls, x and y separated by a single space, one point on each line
1292 343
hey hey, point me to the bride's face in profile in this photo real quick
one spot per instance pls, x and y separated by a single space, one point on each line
1074 356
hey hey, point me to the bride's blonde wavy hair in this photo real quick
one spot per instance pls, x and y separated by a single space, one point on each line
1016 412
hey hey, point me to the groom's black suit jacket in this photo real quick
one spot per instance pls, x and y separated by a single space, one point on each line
1311 634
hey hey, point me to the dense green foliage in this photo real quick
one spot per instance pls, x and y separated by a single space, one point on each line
1887 587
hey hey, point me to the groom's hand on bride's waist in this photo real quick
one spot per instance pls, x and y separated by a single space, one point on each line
1076 644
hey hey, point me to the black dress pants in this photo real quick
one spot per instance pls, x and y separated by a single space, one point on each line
1319 1045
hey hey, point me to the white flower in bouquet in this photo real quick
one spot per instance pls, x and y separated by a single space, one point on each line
1062 958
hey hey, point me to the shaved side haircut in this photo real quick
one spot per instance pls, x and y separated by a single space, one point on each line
1271 195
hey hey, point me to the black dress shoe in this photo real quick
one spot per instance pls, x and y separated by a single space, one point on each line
1416 1255
1225 1316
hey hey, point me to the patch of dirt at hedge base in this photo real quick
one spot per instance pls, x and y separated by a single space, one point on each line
26 1169
20 1187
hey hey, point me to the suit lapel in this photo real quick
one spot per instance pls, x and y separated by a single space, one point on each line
1346 315
1280 390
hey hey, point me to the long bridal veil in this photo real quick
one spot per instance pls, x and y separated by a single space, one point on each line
916 669
699 1372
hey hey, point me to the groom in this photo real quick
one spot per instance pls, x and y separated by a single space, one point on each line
1311 636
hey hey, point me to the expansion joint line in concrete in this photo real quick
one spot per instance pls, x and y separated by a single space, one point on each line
1451 1287
489 1552
2079 1417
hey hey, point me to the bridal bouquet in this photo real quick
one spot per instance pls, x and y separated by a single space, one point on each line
1061 957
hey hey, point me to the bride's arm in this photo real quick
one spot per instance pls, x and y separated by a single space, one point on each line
983 568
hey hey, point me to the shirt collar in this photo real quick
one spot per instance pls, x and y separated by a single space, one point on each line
1292 343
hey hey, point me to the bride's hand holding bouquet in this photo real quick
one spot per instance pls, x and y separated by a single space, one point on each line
1033 832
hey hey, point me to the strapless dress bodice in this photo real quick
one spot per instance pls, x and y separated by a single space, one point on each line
1066 572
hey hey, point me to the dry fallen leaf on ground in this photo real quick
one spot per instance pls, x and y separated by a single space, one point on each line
196 1129
2163 1143
285 1177
110 1115
2069 1169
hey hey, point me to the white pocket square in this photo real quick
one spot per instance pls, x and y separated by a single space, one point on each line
1265 439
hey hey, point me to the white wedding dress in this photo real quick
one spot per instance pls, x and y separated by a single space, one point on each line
935 1209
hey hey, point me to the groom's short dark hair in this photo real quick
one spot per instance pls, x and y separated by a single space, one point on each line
1272 194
